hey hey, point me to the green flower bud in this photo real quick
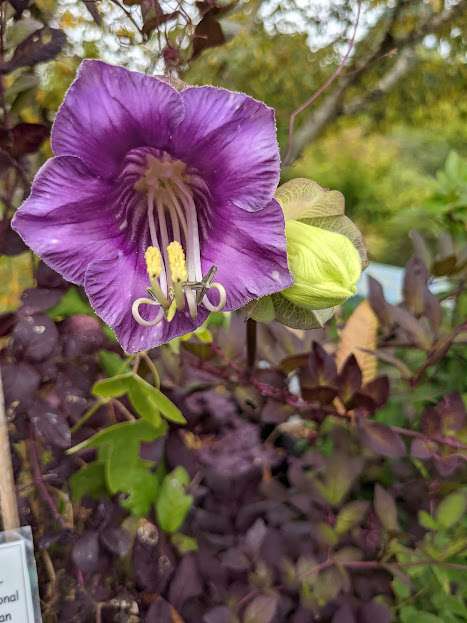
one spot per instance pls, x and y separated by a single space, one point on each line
325 266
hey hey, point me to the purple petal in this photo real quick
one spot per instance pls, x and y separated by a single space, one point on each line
109 110
113 284
67 219
230 139
249 250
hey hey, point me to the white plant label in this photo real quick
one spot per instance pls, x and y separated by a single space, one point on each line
16 601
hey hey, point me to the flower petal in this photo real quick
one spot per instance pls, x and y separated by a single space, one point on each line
249 250
67 219
109 110
230 139
113 284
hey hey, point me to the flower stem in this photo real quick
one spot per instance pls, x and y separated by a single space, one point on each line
251 343
88 415
152 367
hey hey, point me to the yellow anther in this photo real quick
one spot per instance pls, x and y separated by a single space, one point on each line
177 262
154 267
153 262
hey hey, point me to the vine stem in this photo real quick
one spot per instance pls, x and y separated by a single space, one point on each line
8 502
88 415
39 480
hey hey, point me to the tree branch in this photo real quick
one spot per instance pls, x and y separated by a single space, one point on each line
404 63
333 106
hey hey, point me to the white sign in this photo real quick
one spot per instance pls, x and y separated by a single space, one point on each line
16 604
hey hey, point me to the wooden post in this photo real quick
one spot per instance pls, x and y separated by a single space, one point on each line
8 505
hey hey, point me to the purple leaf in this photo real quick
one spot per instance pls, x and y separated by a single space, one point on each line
262 609
344 615
415 330
422 449
414 286
48 278
208 34
34 338
24 138
38 300
42 45
447 465
186 582
235 560
161 612
378 390
82 335
50 425
85 554
153 563
10 243
255 537
453 414
350 379
375 612
386 509
116 540
219 614
382 440
20 382
7 322
321 367
378 303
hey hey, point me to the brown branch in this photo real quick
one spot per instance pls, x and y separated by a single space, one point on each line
404 63
452 442
322 88
129 16
333 107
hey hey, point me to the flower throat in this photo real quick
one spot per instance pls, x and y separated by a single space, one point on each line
173 261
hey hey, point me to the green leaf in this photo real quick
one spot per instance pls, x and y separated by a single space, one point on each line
151 397
409 614
350 516
146 399
337 478
184 543
113 387
427 521
401 589
451 510
142 401
111 435
386 509
113 364
173 504
118 448
88 481
70 304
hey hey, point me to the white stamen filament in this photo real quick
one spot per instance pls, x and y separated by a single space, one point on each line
139 319
170 203
222 298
